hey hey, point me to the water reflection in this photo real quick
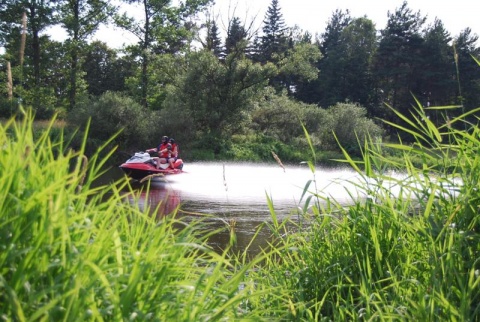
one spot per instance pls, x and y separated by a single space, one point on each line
237 192
162 198
158 196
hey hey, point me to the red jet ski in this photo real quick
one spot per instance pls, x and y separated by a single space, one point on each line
141 165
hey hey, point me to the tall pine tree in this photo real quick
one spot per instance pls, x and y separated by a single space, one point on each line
236 41
438 77
324 90
399 63
467 70
274 40
213 42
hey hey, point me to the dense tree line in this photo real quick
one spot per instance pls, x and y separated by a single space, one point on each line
216 88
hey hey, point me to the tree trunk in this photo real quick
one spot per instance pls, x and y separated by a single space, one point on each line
9 81
74 56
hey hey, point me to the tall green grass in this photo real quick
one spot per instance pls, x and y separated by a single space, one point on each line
74 252
411 255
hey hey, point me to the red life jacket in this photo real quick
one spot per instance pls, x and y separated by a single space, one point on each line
166 153
175 150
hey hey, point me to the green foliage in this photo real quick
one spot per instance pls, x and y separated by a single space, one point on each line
163 71
8 107
399 59
81 19
438 68
236 41
174 123
104 69
300 62
281 117
210 147
348 123
213 42
112 114
215 95
260 147
164 29
466 51
355 65
274 40
346 68
44 101
325 89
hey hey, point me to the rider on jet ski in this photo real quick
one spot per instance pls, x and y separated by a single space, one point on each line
163 151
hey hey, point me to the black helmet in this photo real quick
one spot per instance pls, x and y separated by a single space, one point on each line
164 138
172 141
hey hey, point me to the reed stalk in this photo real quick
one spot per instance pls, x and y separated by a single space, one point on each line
279 162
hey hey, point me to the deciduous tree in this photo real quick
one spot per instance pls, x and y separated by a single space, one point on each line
164 28
104 70
222 92
81 19
39 16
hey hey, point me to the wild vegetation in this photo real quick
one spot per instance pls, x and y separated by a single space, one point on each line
409 251
238 93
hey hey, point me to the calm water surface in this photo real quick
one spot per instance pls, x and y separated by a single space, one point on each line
238 192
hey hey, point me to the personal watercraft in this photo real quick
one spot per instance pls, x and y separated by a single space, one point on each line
141 165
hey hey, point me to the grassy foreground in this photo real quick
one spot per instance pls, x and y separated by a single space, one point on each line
71 252
74 252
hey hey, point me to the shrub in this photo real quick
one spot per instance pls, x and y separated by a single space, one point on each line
280 117
114 113
348 124
8 107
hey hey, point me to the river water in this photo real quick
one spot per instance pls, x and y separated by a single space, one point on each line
226 193
237 192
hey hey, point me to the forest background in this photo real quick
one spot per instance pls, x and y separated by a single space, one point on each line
237 97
